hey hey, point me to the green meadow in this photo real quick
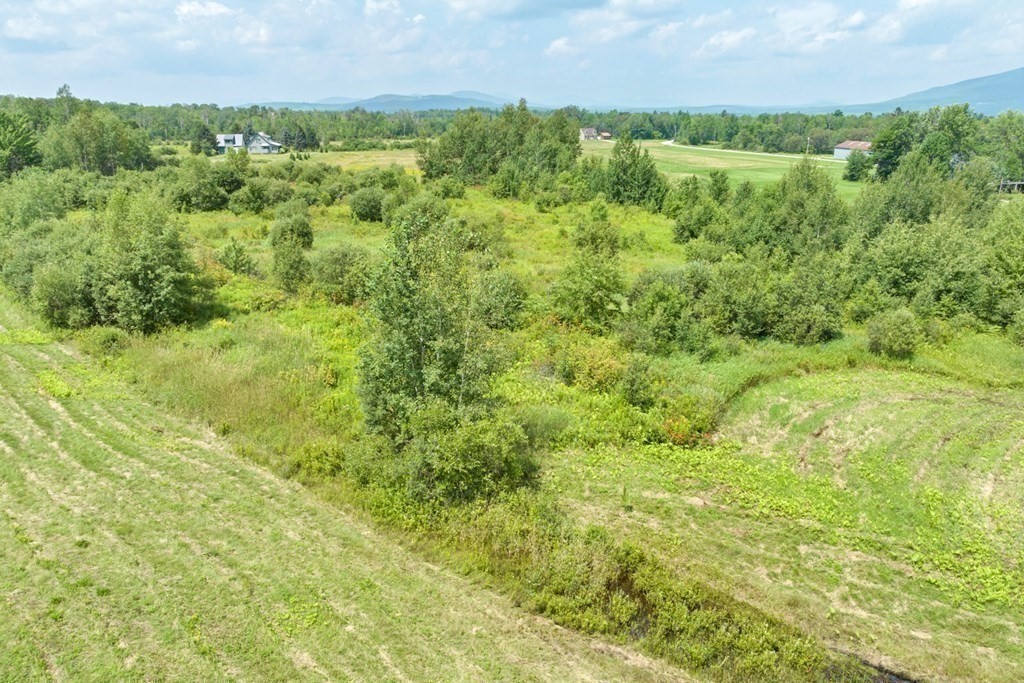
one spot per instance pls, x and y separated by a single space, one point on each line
872 503
677 161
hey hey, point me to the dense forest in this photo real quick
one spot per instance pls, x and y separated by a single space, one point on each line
443 436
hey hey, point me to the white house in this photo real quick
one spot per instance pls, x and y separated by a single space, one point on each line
844 149
258 144
588 134
232 141
262 144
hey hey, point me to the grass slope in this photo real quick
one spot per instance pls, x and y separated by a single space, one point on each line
877 508
135 546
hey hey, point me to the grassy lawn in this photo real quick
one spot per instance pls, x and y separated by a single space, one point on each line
137 546
760 169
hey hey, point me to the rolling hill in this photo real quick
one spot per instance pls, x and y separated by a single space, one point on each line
987 95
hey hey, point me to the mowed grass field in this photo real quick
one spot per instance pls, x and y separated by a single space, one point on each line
677 161
135 546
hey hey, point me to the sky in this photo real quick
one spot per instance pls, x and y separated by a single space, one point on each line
552 52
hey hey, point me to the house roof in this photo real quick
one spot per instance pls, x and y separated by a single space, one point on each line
589 130
267 139
239 140
855 144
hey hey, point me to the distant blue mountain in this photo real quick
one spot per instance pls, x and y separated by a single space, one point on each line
390 103
986 95
989 95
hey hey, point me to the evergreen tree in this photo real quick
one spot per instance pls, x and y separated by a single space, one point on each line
633 178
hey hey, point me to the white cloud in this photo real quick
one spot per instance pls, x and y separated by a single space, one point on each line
711 19
250 31
669 38
665 32
29 28
372 7
200 10
811 27
888 29
724 41
559 47
855 20
606 25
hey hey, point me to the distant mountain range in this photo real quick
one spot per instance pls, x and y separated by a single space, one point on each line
986 95
463 99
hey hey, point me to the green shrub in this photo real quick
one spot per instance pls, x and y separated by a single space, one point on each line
703 217
61 294
741 297
367 204
637 383
290 267
260 193
449 188
235 257
810 304
465 460
858 166
894 333
501 300
197 188
102 340
145 278
341 274
291 223
657 303
590 363
590 291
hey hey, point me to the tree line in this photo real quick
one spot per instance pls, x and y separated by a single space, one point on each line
1000 137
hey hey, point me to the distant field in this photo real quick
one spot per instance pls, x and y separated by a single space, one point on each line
760 169
135 546
356 160
674 161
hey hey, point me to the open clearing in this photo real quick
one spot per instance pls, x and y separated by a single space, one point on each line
760 169
136 546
